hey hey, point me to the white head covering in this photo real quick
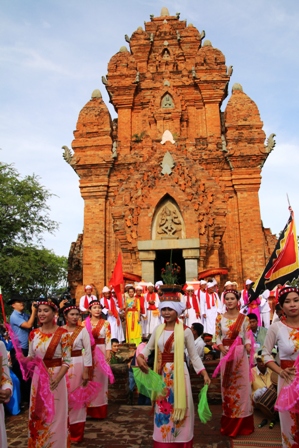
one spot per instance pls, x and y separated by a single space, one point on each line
248 282
228 283
158 284
203 282
210 285
88 287
214 282
150 284
179 307
106 289
189 288
139 287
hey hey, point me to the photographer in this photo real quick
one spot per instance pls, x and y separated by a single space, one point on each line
64 300
21 324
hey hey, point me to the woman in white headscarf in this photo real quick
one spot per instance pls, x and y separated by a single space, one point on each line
174 412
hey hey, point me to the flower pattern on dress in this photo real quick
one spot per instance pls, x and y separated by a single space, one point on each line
294 336
236 401
164 408
294 441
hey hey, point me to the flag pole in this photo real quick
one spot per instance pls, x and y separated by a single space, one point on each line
290 208
2 306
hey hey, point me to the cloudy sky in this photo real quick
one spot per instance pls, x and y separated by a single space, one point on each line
54 52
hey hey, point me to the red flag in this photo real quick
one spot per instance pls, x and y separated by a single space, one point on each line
2 306
117 279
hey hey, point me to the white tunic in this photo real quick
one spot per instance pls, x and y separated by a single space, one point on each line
116 330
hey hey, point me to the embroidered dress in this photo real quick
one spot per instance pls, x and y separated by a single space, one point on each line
237 417
53 434
133 327
5 383
101 332
166 431
79 340
287 340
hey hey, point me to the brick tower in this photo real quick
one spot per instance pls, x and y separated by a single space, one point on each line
172 171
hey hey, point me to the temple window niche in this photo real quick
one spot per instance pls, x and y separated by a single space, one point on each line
168 235
168 222
167 101
165 54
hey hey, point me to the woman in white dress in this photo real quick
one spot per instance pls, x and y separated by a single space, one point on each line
100 334
174 412
78 373
48 422
5 391
285 334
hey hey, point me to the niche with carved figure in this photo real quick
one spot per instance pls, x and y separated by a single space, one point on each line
165 54
168 221
167 101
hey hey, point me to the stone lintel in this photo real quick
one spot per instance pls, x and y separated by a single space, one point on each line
188 243
190 253
147 255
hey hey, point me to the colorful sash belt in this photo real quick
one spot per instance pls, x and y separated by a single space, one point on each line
76 353
53 362
285 363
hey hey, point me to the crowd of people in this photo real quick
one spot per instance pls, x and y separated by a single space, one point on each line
64 370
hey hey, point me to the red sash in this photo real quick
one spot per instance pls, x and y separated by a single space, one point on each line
86 302
142 305
234 333
208 300
74 335
97 329
151 297
194 304
54 343
166 355
112 308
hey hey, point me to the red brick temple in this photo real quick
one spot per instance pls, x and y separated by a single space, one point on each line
172 171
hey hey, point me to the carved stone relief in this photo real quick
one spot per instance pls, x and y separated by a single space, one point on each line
168 222
167 102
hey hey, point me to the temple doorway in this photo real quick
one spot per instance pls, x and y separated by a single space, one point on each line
163 256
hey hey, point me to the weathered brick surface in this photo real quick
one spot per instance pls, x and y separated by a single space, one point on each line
217 156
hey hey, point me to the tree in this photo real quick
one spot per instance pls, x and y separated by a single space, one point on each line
24 213
26 266
33 272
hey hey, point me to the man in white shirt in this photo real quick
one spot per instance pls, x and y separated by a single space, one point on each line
86 299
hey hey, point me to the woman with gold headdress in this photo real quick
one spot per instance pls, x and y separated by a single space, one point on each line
174 412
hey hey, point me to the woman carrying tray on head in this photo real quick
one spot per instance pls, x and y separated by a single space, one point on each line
100 336
233 337
48 420
78 373
174 411
285 334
